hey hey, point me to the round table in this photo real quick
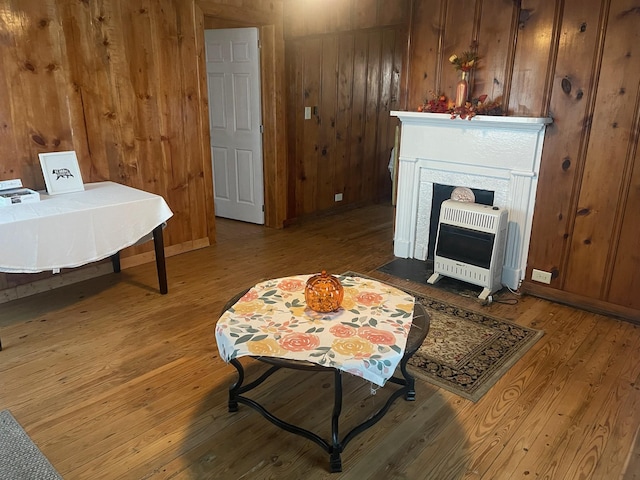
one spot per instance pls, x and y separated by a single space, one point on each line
417 333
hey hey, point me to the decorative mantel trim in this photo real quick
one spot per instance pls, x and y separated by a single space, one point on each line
479 121
501 154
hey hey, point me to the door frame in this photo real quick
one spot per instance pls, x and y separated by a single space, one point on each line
230 169
272 76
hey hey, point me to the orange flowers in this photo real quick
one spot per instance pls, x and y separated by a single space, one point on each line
299 342
377 336
369 298
291 285
342 331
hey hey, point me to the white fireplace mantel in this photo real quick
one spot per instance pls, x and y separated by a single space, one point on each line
496 153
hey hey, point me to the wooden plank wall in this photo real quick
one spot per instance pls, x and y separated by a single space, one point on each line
345 59
118 83
122 83
577 61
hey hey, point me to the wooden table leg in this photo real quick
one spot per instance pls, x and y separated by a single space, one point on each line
115 261
158 243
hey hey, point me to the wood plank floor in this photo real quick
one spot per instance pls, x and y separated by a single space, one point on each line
113 380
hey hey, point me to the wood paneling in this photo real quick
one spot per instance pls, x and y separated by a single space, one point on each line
307 160
36 116
625 277
350 81
344 124
313 17
250 12
426 56
117 83
326 118
565 142
576 61
532 62
274 112
344 63
354 186
123 84
497 29
608 160
459 29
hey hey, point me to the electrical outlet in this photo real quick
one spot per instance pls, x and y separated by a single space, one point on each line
338 197
541 276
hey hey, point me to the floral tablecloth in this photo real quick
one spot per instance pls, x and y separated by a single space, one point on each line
365 337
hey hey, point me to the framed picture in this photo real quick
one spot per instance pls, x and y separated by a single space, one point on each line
61 172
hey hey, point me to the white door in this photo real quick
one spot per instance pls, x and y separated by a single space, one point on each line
235 120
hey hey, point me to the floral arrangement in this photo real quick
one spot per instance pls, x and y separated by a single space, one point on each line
478 106
460 106
465 62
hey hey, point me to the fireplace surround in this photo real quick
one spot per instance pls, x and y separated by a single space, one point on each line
500 154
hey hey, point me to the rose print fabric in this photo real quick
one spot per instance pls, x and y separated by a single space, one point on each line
365 337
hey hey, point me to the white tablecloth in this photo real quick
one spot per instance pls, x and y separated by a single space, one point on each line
73 229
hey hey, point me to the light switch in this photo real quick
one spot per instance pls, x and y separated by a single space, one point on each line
307 113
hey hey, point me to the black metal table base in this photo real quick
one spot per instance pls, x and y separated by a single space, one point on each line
337 444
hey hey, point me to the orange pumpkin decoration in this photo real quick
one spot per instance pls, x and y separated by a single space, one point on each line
324 293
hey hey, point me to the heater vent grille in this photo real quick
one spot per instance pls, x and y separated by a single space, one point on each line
485 221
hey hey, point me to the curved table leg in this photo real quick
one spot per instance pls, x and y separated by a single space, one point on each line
336 448
233 389
410 395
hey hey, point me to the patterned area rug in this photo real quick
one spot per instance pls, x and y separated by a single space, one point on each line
20 459
467 352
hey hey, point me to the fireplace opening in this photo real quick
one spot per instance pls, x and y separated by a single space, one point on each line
440 194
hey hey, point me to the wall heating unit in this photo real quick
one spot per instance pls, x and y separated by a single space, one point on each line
470 245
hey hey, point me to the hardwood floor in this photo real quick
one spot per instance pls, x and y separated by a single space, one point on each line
112 380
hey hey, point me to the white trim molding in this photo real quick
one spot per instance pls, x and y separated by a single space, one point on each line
500 154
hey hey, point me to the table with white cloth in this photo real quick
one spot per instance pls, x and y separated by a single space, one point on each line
72 229
377 328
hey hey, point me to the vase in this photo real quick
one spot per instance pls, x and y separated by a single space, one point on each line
323 293
462 90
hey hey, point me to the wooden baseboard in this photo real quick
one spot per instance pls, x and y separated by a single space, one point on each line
55 281
579 301
75 275
150 256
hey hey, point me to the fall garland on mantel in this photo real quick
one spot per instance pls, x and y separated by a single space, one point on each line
477 106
